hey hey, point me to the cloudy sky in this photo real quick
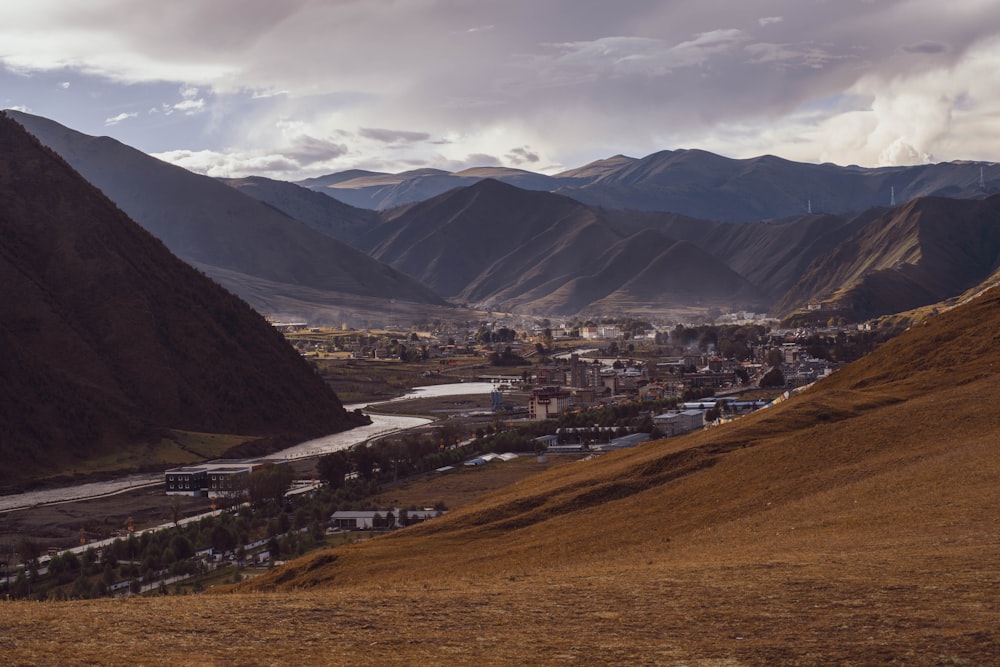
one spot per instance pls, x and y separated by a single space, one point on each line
297 88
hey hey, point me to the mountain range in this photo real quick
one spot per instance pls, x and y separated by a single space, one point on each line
694 183
494 245
710 237
109 341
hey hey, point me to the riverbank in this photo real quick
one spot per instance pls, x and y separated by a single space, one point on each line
59 517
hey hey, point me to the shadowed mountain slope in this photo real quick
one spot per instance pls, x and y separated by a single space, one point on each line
448 241
926 251
495 245
324 214
216 227
108 339
772 256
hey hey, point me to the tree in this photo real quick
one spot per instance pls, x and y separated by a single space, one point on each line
175 510
181 547
21 587
109 575
333 468
773 378
223 539
29 550
364 461
269 484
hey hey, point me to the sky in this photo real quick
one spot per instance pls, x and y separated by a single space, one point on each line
292 89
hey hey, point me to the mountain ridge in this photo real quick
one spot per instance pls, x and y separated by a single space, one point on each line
206 222
691 182
109 339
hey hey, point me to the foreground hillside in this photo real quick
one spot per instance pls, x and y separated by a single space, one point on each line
854 524
109 340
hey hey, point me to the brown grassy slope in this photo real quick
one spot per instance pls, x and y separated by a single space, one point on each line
856 524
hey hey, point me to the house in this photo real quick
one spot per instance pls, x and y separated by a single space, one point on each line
186 481
362 519
602 332
546 441
214 478
379 519
674 423
548 402
623 442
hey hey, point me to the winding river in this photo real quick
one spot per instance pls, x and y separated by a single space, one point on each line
382 424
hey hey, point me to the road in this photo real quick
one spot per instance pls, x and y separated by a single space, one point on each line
382 424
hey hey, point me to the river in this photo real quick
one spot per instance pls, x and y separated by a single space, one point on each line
382 424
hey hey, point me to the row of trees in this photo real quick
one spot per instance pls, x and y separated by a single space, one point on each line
390 459
359 470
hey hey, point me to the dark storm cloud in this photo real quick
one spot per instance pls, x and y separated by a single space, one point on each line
307 150
522 155
393 136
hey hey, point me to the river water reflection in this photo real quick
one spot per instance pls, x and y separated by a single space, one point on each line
382 424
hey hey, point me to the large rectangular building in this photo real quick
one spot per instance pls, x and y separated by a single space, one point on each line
213 478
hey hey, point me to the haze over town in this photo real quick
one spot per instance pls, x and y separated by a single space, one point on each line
298 89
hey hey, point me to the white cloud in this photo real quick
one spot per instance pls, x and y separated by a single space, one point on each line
442 80
189 106
114 120
233 164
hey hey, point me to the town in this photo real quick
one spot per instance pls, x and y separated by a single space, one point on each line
575 389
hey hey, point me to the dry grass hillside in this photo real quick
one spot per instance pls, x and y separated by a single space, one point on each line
855 524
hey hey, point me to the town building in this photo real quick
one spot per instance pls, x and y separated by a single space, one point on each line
213 478
548 402
380 519
677 422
